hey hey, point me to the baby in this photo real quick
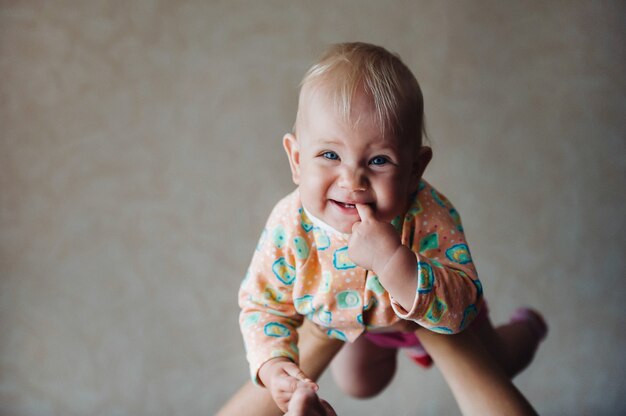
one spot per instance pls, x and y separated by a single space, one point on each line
364 248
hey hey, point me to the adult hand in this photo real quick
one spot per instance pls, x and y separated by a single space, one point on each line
282 377
305 402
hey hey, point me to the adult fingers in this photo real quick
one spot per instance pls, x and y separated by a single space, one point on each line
305 402
284 387
328 408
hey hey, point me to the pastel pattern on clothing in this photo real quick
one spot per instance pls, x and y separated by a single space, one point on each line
459 253
341 261
301 270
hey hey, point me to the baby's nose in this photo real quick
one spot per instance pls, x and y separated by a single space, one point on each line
353 179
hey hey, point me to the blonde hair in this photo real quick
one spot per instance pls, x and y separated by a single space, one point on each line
346 68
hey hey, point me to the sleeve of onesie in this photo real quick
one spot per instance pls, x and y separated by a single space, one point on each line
449 293
268 319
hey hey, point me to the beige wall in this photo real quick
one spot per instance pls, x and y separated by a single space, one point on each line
140 155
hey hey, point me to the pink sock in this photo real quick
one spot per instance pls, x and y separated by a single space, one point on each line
419 356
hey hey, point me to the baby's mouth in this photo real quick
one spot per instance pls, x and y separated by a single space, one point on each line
344 204
350 206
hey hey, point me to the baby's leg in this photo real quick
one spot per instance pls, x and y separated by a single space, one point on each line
513 345
316 352
363 369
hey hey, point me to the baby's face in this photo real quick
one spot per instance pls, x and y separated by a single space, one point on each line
338 164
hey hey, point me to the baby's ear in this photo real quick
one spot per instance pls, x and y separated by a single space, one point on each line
424 155
290 143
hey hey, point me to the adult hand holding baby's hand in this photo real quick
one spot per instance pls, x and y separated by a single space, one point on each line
282 377
305 402
373 242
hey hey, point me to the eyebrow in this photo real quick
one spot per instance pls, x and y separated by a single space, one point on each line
394 147
386 147
331 141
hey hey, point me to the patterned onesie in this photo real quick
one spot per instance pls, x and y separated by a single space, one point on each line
301 269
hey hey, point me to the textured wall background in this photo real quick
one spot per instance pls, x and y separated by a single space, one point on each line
140 155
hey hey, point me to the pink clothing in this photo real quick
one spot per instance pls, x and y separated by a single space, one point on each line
410 342
302 270
394 339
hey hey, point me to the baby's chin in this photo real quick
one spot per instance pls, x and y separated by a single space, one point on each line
341 228
345 230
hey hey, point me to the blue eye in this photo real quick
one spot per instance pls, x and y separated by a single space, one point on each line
379 161
330 155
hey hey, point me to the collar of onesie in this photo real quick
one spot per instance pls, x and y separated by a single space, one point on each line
324 226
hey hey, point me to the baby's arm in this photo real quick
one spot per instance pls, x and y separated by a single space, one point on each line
442 296
268 318
268 324
376 246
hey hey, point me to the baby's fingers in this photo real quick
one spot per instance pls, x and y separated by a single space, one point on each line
297 373
287 385
365 212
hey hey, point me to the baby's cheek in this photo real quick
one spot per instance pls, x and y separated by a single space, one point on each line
387 213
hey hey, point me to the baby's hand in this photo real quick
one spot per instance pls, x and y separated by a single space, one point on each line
282 377
372 243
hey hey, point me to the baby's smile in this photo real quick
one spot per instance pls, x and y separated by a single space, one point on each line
346 204
348 208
